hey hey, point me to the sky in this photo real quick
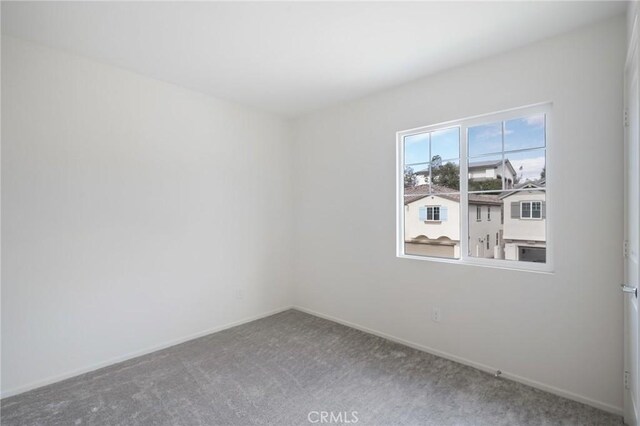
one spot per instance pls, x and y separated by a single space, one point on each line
485 141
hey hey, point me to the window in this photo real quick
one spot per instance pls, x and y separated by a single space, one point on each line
431 213
531 210
496 160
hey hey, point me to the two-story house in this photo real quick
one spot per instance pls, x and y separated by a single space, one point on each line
432 222
492 169
524 230
481 171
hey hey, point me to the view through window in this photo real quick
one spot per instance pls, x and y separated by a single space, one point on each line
502 161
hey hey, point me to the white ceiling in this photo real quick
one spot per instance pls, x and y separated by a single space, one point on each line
293 57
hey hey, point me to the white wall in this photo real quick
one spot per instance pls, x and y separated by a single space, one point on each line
562 330
134 211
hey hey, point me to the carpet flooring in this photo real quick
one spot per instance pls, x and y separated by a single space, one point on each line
293 369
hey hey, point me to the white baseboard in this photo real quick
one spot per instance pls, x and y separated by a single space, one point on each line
533 383
83 370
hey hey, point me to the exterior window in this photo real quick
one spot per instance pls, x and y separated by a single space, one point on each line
531 210
448 172
433 213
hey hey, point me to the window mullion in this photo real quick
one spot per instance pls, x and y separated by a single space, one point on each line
464 196
429 166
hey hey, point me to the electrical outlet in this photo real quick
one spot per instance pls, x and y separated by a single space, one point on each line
436 315
626 380
239 294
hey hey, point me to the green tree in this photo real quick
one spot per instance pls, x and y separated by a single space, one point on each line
485 185
409 177
543 173
447 175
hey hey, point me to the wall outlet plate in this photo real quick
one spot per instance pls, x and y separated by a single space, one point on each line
436 315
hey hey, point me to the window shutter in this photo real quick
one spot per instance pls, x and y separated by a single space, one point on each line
544 210
444 213
515 210
423 213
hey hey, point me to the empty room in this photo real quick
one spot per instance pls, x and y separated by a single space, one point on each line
317 213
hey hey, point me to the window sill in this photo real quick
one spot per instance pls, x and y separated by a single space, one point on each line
510 265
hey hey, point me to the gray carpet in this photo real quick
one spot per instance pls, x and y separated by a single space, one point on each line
279 369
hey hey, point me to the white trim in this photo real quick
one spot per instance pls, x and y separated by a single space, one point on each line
463 124
630 411
483 367
507 114
433 213
135 354
530 210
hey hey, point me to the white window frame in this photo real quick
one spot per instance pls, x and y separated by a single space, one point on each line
488 213
478 213
531 203
433 214
463 124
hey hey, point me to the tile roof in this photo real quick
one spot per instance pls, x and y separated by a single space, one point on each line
421 191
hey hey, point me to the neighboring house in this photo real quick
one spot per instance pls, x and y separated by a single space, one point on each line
525 223
481 171
488 170
485 226
432 223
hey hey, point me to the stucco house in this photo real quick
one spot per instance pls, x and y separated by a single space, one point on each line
525 223
432 222
481 171
492 169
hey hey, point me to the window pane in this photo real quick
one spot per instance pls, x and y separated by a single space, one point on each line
536 212
439 237
524 239
524 133
416 149
445 144
526 167
512 238
480 230
446 176
485 139
485 173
